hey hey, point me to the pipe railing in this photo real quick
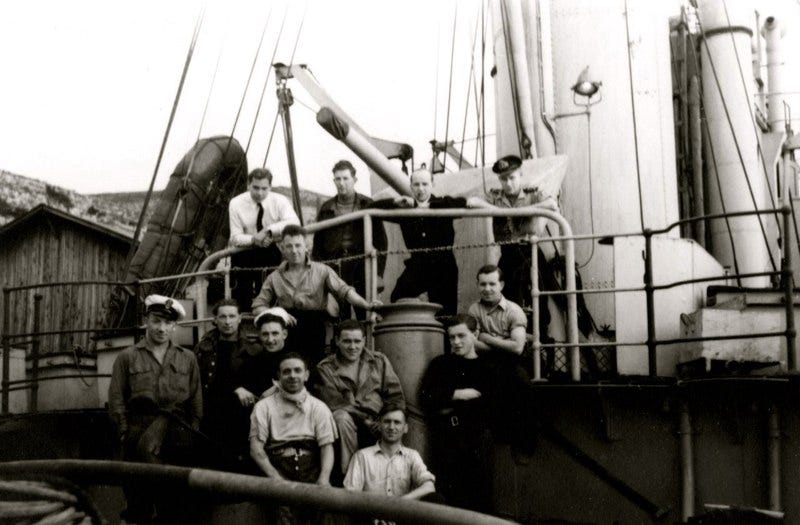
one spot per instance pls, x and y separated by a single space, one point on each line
371 256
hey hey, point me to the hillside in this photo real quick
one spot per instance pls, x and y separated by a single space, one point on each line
120 211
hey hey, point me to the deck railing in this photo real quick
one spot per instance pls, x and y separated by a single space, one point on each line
570 291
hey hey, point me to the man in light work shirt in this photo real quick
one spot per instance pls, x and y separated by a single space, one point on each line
257 218
356 384
301 287
388 467
292 435
502 323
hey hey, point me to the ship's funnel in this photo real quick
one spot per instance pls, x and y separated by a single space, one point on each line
366 151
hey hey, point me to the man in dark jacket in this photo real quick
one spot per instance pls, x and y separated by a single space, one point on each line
234 374
347 240
434 272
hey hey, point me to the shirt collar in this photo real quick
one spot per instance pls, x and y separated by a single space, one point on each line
284 265
401 451
503 305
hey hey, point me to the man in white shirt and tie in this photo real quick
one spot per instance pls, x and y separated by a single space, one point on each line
257 217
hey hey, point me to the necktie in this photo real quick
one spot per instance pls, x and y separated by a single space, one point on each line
259 217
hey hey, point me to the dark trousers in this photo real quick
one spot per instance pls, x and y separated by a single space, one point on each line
307 337
246 285
462 459
157 439
297 461
436 274
515 263
352 271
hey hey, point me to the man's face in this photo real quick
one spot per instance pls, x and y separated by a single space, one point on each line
227 320
158 329
421 186
490 287
351 344
511 182
393 426
259 188
272 336
294 249
462 340
293 375
345 183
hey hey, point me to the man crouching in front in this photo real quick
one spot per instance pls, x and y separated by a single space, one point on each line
292 434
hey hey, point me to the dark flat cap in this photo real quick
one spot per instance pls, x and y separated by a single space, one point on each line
506 164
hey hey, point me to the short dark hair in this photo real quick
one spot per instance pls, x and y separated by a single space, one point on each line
344 165
465 319
270 318
225 302
392 407
349 324
490 268
260 173
292 355
291 230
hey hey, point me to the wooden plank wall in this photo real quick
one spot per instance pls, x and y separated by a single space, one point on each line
48 249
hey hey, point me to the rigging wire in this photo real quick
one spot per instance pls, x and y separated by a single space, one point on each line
512 80
738 148
247 84
750 110
450 85
633 114
139 223
469 91
436 80
482 117
705 130
266 80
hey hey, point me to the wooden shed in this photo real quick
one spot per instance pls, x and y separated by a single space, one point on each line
48 245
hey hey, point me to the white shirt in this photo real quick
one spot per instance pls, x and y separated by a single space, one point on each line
243 211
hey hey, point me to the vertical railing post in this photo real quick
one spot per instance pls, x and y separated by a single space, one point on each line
370 276
787 276
535 326
6 347
137 308
652 362
35 344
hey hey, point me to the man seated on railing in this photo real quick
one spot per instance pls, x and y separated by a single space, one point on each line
234 372
515 258
301 286
435 271
388 467
347 240
256 218
292 435
356 384
156 401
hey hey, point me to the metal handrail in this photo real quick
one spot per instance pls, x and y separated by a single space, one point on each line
251 488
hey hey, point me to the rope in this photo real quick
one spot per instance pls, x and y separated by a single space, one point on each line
633 114
482 116
512 80
271 135
738 148
450 86
54 501
469 91
436 80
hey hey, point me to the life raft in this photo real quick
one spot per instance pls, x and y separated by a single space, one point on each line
190 220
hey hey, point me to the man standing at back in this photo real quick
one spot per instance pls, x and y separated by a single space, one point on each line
257 218
347 240
434 272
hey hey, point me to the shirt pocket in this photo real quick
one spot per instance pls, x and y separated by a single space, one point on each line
142 380
178 382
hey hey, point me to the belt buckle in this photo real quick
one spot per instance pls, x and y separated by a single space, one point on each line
454 421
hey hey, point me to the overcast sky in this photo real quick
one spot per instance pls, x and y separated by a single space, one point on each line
87 86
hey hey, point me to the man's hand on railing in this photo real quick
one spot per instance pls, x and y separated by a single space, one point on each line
405 201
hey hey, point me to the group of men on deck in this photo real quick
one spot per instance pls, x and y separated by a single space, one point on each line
249 399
